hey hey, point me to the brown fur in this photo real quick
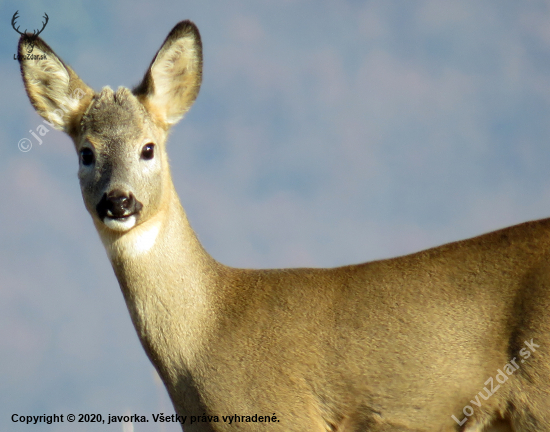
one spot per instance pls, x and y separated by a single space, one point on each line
394 345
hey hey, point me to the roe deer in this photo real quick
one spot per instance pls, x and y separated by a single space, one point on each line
454 338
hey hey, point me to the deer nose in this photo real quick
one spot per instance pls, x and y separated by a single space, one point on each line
118 204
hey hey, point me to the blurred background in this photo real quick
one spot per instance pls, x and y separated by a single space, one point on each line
325 133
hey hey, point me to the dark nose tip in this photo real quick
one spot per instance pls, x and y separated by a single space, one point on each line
118 204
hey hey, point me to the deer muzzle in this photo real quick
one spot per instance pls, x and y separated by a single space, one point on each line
119 210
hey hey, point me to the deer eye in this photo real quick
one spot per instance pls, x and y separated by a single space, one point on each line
87 156
148 151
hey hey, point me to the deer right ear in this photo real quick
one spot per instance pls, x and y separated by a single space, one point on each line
173 80
55 91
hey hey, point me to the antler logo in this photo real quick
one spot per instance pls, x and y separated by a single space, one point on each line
31 38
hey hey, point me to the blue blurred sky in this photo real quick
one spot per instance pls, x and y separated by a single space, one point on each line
325 133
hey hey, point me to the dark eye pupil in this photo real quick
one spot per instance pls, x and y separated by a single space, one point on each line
148 151
87 156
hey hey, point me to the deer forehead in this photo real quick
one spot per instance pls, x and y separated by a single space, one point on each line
116 119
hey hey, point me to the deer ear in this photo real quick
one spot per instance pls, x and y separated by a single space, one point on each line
173 80
54 90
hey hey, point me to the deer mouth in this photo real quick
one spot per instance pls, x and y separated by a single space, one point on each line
120 223
119 211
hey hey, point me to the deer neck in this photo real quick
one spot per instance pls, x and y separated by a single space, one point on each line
169 284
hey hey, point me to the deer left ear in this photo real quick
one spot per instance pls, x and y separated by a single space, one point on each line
173 80
54 90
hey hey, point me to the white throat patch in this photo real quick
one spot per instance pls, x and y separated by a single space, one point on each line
136 241
144 239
